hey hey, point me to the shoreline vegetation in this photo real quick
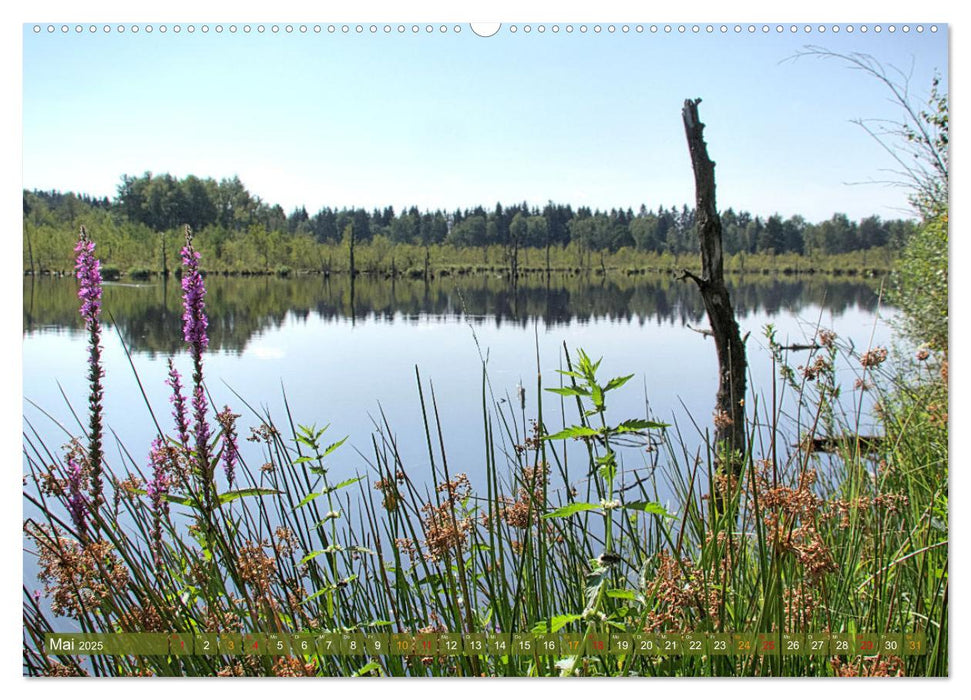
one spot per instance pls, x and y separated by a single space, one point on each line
239 234
210 534
878 263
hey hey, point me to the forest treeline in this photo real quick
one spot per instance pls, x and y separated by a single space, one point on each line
241 230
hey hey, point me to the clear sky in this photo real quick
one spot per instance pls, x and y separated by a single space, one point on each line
455 120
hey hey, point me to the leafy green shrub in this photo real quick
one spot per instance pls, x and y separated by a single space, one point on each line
920 285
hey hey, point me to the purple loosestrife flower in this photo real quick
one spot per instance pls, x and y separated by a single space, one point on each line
77 504
230 454
199 407
88 269
195 325
178 405
194 330
157 489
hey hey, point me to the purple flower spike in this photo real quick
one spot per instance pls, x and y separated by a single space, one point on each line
77 504
230 454
160 459
158 487
195 325
88 269
199 406
194 330
178 405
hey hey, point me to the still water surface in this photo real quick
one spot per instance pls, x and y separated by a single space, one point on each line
344 354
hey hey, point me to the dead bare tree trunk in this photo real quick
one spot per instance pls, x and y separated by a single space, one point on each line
730 400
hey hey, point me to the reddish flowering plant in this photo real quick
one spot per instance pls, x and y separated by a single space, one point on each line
194 330
88 270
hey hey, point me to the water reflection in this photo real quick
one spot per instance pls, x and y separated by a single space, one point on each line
149 316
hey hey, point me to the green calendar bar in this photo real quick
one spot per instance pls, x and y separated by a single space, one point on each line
744 643
352 645
73 644
646 644
915 644
500 644
841 644
474 644
206 644
426 644
450 644
548 644
277 645
523 644
402 644
622 644
720 644
181 644
793 644
304 645
378 644
694 644
891 644
595 643
231 644
817 644
255 644
671 644
570 643
867 644
520 644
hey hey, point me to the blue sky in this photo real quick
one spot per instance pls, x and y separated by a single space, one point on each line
454 120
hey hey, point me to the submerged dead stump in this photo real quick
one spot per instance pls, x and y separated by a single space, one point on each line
730 400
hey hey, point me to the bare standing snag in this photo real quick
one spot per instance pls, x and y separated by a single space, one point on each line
730 401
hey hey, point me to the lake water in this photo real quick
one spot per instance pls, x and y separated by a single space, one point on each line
344 354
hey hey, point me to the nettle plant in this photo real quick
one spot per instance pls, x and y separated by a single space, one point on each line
602 441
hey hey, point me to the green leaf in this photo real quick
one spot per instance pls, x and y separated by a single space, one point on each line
311 555
169 498
377 623
557 623
316 595
323 492
647 507
622 593
368 668
327 589
597 396
569 391
230 496
334 446
630 426
308 498
333 549
617 382
607 465
342 484
576 431
571 509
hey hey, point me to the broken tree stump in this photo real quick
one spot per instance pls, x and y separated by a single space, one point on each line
730 399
